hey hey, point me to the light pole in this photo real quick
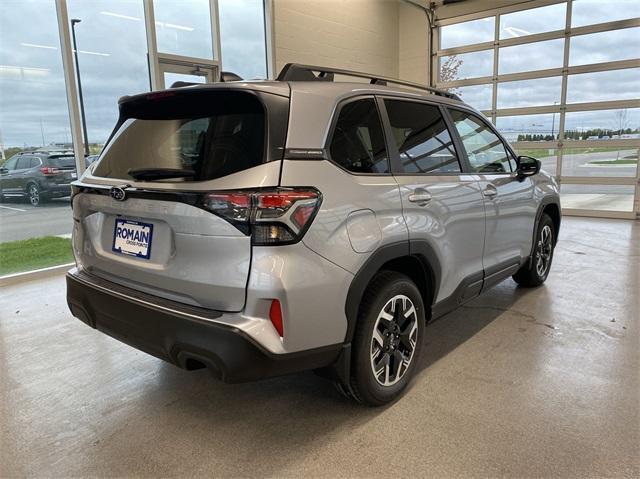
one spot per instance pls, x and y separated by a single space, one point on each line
553 122
75 55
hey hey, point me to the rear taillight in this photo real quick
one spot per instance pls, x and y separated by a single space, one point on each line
48 171
273 217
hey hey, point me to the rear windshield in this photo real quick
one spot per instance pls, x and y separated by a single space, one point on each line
62 162
213 134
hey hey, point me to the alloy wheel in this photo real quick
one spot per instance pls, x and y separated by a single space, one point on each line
544 249
34 195
393 344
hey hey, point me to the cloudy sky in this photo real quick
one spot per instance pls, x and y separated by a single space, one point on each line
584 49
113 62
112 56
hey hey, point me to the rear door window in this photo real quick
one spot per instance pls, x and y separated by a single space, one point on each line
422 138
357 143
24 162
214 135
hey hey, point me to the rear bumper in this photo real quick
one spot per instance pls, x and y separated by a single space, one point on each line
55 189
153 325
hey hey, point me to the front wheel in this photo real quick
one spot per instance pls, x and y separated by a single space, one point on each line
388 339
536 270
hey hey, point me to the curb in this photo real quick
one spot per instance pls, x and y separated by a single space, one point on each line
15 278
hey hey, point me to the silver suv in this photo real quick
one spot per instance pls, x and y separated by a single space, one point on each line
266 227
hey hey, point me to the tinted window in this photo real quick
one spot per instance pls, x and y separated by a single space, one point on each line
214 134
358 143
63 162
35 161
23 162
10 164
485 150
422 137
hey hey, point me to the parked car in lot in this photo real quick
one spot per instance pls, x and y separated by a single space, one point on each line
38 176
262 228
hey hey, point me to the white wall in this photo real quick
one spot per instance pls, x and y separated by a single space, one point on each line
352 34
413 44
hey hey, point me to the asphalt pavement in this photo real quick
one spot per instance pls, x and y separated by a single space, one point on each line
19 220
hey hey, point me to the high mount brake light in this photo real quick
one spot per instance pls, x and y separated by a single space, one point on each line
274 217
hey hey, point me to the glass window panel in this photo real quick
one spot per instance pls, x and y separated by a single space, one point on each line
605 46
529 127
531 56
603 86
358 142
183 27
597 197
242 37
540 91
587 12
478 96
547 156
467 33
33 116
170 78
485 151
600 161
533 20
109 70
422 138
603 124
466 65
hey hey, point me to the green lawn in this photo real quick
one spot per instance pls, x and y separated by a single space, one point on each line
26 255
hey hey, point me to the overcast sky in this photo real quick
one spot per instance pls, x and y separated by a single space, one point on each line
112 56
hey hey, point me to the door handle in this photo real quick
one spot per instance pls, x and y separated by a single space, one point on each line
420 196
490 191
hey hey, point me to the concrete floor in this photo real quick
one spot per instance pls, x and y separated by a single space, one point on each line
518 383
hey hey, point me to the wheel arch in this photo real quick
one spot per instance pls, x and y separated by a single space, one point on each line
416 259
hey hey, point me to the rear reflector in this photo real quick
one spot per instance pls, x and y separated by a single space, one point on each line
275 315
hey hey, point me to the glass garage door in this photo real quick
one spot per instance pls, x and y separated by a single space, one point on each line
561 81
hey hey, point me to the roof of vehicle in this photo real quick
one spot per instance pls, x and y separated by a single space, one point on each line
319 80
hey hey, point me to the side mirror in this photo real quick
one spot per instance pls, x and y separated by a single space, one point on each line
3 171
528 166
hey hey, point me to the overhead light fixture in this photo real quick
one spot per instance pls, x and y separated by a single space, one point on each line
173 25
119 15
516 32
35 45
94 53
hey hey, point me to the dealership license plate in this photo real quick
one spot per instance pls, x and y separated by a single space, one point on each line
132 238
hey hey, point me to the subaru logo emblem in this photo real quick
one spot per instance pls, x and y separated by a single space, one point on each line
118 193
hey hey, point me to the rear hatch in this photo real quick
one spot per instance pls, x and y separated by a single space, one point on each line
147 213
60 169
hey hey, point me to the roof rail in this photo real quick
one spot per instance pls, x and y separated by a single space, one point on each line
299 72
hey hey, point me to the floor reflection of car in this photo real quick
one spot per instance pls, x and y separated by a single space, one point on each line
38 176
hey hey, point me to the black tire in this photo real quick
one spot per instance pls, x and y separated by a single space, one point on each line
402 343
534 272
34 195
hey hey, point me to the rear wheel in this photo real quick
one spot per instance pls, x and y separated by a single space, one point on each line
535 271
388 339
33 194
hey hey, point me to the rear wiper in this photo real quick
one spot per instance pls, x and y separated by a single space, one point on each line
160 173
